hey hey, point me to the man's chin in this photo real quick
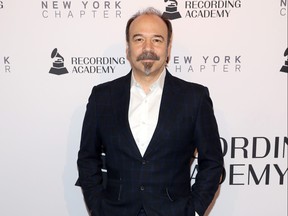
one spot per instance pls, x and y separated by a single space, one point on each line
147 71
147 68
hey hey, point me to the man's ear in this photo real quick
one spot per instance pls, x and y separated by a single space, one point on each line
127 51
169 48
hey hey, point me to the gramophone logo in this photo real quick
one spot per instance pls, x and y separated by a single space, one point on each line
171 11
58 63
285 66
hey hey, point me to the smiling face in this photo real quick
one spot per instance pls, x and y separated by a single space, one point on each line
148 47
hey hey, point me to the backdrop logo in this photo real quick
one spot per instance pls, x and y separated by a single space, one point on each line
6 64
58 63
81 9
171 11
283 9
211 8
285 66
246 153
81 65
96 65
206 63
1 5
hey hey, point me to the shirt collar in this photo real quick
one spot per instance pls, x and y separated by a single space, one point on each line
159 83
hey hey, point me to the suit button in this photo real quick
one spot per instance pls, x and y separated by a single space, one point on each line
142 188
143 162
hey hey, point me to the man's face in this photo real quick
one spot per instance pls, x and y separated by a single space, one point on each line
148 48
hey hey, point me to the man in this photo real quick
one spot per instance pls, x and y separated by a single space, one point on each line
149 123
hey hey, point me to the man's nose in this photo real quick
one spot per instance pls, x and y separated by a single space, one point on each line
147 45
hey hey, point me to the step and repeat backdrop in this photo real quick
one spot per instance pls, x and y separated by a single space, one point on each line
52 52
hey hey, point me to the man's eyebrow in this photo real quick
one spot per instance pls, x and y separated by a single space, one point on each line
137 35
141 35
159 36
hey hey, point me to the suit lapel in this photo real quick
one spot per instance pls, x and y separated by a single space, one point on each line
166 113
121 95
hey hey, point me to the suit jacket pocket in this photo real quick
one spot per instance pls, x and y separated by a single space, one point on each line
113 190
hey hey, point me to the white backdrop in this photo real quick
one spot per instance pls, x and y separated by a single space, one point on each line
234 47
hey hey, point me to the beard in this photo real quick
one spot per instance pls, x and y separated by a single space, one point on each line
147 67
148 55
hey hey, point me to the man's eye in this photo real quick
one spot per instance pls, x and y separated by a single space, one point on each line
138 39
157 40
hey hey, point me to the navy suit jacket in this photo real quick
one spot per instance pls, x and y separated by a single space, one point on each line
159 181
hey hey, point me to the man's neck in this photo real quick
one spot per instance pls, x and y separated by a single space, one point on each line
146 81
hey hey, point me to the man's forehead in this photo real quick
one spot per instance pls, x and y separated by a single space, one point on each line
147 17
148 23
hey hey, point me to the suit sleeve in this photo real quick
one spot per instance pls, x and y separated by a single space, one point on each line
89 158
210 158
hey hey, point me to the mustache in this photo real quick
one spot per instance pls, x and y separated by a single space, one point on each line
148 56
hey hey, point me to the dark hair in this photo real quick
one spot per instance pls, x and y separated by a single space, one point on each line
150 11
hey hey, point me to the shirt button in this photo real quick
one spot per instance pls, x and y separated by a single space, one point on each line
142 188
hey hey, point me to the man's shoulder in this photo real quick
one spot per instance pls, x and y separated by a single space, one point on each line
184 85
118 82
